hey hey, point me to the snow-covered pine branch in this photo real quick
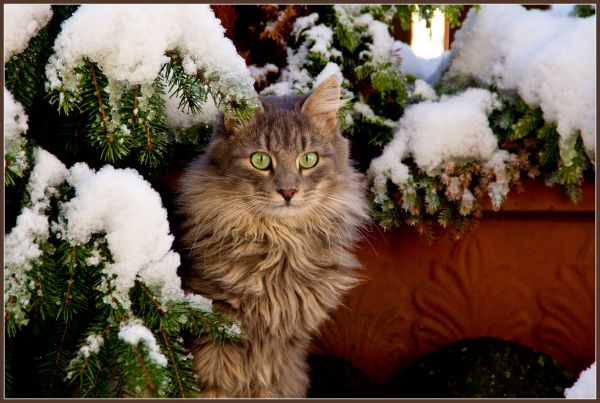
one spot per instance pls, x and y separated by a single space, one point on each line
96 246
533 73
126 79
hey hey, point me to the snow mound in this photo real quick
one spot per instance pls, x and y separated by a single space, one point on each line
21 23
121 204
548 58
585 387
193 30
453 129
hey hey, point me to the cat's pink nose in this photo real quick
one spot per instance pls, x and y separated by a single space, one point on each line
287 193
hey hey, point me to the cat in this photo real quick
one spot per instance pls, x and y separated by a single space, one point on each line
270 213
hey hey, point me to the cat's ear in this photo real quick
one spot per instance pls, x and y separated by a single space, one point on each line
324 102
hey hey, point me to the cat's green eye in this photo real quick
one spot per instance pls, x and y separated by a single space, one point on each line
260 160
309 160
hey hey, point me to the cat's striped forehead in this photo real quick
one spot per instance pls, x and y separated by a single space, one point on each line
285 130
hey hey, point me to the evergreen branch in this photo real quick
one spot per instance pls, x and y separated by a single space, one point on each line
148 140
72 270
174 362
141 361
57 361
103 115
24 73
134 111
154 302
84 365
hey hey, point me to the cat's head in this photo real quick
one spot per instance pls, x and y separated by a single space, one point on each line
290 158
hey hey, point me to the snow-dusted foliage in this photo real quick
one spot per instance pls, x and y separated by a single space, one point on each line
429 70
191 29
585 386
315 42
21 23
118 203
549 58
189 33
519 100
23 246
122 205
134 332
320 54
15 125
453 129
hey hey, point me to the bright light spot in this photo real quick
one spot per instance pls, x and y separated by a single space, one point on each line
428 43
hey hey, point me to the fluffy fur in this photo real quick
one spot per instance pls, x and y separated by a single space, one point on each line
277 267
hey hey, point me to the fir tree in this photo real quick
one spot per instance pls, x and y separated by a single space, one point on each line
82 318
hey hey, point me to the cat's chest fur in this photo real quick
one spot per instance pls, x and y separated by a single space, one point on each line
277 279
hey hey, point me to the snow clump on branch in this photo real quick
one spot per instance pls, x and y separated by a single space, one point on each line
23 245
121 204
21 23
144 34
455 128
15 125
133 332
549 59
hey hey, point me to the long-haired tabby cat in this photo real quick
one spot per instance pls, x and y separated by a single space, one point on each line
270 212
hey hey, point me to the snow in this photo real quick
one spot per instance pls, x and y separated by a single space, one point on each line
121 204
585 387
22 246
259 74
382 46
295 78
193 30
429 70
331 69
134 332
15 119
199 302
92 345
15 124
425 90
304 23
455 128
178 120
562 10
548 58
320 37
21 23
234 329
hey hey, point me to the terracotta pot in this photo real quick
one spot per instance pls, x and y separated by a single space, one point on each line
525 274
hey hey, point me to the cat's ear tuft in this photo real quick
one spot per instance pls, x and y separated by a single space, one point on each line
324 102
